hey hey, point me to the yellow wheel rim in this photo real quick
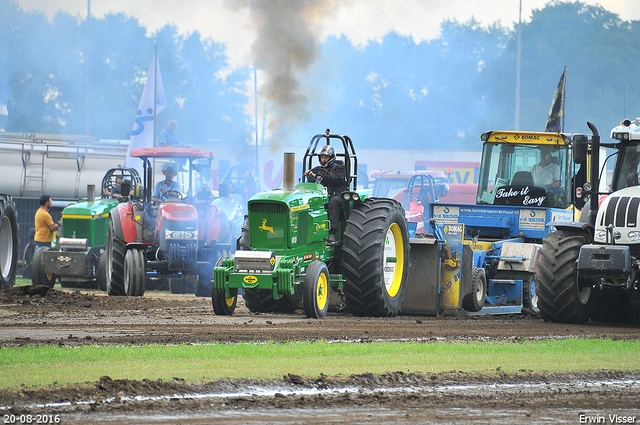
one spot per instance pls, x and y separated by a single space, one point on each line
322 291
393 260
230 301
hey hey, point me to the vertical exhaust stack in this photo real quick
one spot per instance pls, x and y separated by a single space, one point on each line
91 192
595 173
289 170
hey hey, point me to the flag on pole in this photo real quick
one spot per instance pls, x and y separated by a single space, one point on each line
143 130
555 122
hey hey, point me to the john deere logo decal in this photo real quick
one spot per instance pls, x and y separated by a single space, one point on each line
250 279
266 228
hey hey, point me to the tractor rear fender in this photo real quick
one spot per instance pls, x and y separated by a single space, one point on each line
210 225
585 228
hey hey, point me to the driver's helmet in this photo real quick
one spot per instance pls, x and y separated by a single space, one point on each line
328 151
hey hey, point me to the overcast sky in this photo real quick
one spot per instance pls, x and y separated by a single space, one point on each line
230 21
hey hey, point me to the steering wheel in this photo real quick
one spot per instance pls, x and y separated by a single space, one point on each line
172 194
416 196
319 172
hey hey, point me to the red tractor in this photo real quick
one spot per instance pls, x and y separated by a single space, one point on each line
416 190
176 233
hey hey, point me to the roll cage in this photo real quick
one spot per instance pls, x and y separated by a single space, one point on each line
348 155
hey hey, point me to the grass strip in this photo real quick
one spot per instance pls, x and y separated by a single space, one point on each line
66 365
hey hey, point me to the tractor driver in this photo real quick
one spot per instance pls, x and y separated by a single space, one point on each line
115 191
546 173
333 176
166 188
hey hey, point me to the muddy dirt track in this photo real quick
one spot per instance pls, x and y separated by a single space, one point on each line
36 315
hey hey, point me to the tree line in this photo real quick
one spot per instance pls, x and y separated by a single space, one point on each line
396 93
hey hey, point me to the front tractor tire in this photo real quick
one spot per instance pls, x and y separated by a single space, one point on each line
375 258
38 275
223 305
559 297
134 273
316 290
116 251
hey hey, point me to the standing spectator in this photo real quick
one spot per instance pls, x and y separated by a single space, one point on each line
168 136
44 223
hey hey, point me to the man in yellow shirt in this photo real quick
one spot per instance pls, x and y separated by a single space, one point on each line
44 223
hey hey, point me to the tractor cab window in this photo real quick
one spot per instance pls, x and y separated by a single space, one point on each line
629 174
524 175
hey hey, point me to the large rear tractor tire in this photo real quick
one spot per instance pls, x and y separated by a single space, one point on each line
101 272
38 275
316 290
559 298
134 272
474 301
116 251
375 258
8 246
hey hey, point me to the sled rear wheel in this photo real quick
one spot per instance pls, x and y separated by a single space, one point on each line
474 301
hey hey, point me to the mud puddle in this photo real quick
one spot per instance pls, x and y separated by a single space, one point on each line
278 403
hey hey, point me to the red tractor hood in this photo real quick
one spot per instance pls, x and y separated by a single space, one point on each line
178 212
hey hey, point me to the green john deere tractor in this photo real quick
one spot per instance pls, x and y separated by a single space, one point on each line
283 255
76 260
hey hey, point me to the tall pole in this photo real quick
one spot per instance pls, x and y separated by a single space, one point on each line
155 91
88 67
255 95
518 55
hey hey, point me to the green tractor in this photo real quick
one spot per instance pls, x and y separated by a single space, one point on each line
283 255
76 260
